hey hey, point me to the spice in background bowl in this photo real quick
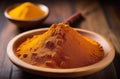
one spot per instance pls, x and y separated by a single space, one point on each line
26 11
27 14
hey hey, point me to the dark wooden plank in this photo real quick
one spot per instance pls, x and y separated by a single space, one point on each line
3 20
112 12
5 66
95 20
114 21
59 10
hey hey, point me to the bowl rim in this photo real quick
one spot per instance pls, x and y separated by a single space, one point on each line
42 6
97 66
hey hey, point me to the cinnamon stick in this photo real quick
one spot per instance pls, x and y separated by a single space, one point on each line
74 20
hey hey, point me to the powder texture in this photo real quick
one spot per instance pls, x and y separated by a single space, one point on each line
60 47
26 11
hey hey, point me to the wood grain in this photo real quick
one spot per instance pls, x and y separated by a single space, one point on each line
113 19
102 18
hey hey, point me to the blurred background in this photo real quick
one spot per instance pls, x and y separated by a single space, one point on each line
100 16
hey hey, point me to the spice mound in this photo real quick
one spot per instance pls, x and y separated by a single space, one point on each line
26 11
60 47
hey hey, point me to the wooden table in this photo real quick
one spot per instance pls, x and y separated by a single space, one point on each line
100 17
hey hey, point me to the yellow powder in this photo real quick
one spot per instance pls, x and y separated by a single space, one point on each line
26 11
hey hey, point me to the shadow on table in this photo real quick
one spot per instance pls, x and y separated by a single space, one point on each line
117 64
26 75
104 74
44 25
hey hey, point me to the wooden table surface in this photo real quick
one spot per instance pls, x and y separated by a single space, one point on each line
100 17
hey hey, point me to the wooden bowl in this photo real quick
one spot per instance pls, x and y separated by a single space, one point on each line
27 23
51 72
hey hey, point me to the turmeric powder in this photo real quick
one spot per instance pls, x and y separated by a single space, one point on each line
26 11
60 47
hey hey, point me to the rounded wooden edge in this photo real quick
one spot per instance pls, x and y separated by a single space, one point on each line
74 72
